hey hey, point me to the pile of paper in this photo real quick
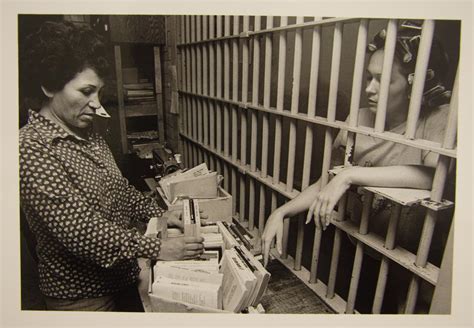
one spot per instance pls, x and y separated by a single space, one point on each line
197 182
195 281
245 279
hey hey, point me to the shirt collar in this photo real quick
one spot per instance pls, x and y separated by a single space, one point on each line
49 130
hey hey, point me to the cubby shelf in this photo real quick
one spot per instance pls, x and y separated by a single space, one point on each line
140 110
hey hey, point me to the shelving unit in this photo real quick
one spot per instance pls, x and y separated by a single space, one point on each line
132 35
149 110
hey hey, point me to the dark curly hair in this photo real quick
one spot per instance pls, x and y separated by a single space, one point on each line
436 91
53 55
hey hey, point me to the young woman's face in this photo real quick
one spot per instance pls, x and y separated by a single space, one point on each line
398 89
76 103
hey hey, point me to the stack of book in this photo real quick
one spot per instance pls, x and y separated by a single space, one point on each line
245 279
194 281
140 92
191 218
234 234
197 182
142 138
212 238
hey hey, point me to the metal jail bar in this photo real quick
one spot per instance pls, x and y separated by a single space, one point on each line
314 69
235 95
282 48
205 82
199 75
328 142
253 120
296 76
353 120
219 84
194 89
212 83
181 86
437 190
265 124
384 266
243 118
225 108
388 56
224 98
279 106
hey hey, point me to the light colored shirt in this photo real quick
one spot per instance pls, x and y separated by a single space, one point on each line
370 151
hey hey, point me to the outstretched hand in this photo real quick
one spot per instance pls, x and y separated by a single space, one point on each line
273 228
326 200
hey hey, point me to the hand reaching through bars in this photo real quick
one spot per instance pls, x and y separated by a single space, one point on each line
323 205
273 227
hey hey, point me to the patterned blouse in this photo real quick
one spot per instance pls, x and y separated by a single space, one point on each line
80 208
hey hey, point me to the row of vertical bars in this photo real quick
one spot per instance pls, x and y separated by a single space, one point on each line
211 69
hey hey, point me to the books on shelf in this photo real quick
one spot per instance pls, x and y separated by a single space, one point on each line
139 92
138 86
142 137
150 135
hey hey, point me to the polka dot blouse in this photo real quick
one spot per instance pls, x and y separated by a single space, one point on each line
80 208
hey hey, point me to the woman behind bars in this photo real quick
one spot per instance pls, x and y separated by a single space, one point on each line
378 162
77 203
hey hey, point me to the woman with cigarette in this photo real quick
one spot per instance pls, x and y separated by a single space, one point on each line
77 203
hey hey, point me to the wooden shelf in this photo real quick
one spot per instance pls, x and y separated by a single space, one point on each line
151 111
137 110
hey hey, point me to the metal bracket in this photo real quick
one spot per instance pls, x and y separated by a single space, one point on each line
437 206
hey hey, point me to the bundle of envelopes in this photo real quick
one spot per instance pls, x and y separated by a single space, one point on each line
197 182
